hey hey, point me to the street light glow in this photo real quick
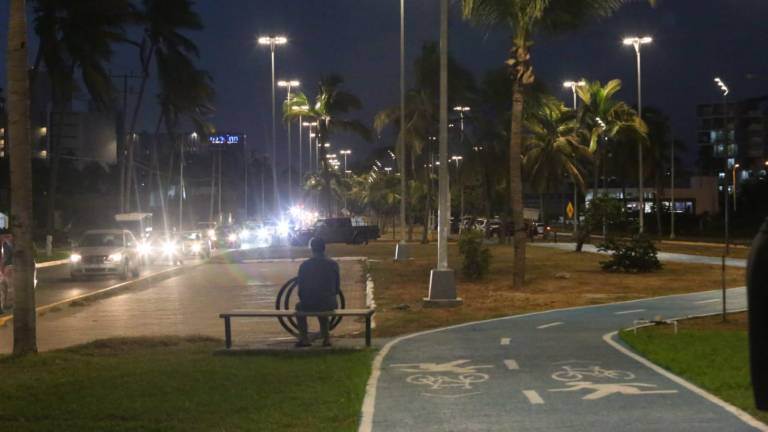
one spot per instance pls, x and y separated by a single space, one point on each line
722 85
634 40
574 84
462 108
270 40
288 83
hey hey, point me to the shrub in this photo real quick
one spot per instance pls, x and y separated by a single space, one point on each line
638 255
477 256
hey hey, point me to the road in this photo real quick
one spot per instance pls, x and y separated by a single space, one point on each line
183 305
548 371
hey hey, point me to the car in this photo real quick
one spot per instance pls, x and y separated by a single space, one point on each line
106 252
336 230
195 244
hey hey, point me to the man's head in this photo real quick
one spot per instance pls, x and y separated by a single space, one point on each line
317 245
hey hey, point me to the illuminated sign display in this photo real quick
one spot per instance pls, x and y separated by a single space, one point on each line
226 139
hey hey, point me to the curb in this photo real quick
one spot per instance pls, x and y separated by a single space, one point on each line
152 278
51 263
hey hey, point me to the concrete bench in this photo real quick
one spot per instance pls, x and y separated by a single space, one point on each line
227 316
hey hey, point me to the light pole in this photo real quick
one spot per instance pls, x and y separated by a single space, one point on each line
273 41
301 109
461 110
733 174
726 153
442 282
401 253
457 160
288 85
672 190
345 153
309 126
573 85
637 42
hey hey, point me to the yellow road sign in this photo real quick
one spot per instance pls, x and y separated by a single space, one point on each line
570 209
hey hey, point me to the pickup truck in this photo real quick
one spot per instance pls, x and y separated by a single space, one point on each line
336 230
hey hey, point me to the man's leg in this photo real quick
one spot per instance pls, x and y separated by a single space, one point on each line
325 330
301 322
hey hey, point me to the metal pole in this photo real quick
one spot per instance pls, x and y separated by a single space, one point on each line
247 161
403 183
639 145
301 152
672 191
575 186
221 217
276 196
725 178
444 186
181 184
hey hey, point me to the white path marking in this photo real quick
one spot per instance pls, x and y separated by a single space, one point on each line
549 325
511 364
629 311
707 301
533 397
504 341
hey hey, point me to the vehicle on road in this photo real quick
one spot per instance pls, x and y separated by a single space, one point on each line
106 252
195 244
336 230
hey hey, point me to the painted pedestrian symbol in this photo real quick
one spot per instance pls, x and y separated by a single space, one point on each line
599 391
449 376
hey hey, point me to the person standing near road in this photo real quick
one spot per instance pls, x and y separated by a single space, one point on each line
319 284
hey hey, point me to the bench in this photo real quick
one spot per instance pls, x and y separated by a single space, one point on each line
227 316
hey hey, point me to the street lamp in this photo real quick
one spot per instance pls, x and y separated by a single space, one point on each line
301 109
273 41
461 110
733 174
289 84
310 125
637 42
388 170
401 253
345 153
724 89
573 85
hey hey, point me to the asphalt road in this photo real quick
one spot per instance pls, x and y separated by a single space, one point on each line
547 371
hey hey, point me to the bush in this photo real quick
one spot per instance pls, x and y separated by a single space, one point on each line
638 255
477 256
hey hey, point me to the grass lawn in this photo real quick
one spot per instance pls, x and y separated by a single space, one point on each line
56 254
711 354
174 384
554 279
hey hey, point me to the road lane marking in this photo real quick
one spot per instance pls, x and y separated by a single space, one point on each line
549 325
511 364
707 301
533 397
504 341
629 311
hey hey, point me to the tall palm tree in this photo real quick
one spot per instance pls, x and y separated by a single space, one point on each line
76 36
24 315
164 23
525 18
330 109
553 147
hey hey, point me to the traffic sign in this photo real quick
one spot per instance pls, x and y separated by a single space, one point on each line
569 209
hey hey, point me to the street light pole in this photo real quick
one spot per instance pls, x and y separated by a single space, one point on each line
401 253
289 85
726 153
637 42
672 190
345 153
573 85
272 41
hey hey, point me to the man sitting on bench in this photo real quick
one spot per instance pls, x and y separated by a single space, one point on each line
319 284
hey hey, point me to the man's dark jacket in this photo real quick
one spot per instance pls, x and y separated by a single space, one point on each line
319 282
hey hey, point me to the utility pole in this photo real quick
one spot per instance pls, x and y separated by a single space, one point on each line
401 253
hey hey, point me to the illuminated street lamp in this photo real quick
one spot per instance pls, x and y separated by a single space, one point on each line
388 170
310 125
573 85
273 41
301 109
345 153
461 110
637 42
724 89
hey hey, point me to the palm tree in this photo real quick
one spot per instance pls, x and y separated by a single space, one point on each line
76 36
526 17
164 42
554 147
24 315
332 105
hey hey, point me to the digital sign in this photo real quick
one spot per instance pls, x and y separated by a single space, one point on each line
226 139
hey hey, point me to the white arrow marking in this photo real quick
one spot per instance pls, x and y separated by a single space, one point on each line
629 311
549 325
533 397
504 341
511 364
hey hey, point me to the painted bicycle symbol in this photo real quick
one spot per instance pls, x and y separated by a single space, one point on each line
578 373
439 382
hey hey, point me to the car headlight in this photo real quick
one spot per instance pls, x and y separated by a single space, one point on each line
263 233
169 248
283 228
144 248
115 257
232 238
244 234
196 248
211 233
75 258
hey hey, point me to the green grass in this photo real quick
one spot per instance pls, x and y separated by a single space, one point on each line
174 384
712 355
56 254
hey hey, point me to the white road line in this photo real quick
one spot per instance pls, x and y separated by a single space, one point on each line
533 397
629 311
511 364
707 301
504 341
549 325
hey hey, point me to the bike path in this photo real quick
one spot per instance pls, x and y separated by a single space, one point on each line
546 371
663 256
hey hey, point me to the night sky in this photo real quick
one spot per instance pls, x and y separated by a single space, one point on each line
694 41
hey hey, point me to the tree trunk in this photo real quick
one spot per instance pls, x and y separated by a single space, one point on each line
516 184
24 315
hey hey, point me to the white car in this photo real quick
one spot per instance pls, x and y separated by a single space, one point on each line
105 252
